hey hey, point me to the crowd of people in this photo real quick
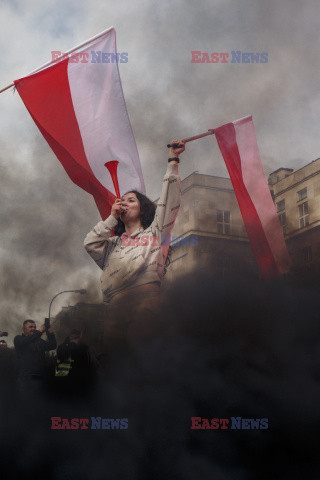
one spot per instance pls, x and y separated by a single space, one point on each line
69 365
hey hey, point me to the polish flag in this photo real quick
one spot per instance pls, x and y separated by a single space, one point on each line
238 144
78 105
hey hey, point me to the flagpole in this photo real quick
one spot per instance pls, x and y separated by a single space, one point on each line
6 88
70 51
62 56
190 139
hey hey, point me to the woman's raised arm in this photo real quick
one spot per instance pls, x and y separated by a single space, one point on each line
169 201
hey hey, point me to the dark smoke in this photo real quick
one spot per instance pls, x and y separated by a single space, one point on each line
223 349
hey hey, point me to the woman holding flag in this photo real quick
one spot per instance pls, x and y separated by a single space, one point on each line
133 261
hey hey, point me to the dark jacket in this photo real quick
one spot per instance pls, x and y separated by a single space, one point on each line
79 353
30 350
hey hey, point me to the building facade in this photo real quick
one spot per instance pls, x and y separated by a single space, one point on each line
210 234
297 199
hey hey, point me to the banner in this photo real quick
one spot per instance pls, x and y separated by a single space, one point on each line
78 105
238 144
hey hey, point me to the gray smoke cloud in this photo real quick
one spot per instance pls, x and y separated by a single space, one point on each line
43 226
44 217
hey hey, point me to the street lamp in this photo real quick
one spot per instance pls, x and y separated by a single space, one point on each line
82 292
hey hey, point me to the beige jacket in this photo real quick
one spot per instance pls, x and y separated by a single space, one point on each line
131 261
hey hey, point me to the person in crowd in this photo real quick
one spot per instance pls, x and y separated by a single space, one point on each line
133 261
31 348
74 362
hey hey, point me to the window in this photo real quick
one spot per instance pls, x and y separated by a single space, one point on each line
223 222
302 194
283 222
303 215
281 205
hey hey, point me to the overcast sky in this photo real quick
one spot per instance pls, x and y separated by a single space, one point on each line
44 216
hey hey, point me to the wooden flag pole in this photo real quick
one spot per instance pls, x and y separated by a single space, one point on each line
6 88
190 139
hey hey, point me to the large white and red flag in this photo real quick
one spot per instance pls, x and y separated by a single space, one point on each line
238 145
78 105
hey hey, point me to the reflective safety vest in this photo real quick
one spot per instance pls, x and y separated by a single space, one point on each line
63 367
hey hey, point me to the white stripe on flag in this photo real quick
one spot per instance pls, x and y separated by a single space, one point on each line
103 119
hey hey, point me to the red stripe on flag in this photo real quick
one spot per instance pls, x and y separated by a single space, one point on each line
47 97
226 138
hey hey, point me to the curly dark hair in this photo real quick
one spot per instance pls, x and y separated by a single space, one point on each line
147 212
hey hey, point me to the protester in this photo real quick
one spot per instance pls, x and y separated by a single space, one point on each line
133 261
75 367
31 350
3 343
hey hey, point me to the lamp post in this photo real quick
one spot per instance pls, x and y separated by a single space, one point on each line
82 292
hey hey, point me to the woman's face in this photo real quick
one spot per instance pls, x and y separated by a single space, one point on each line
132 204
